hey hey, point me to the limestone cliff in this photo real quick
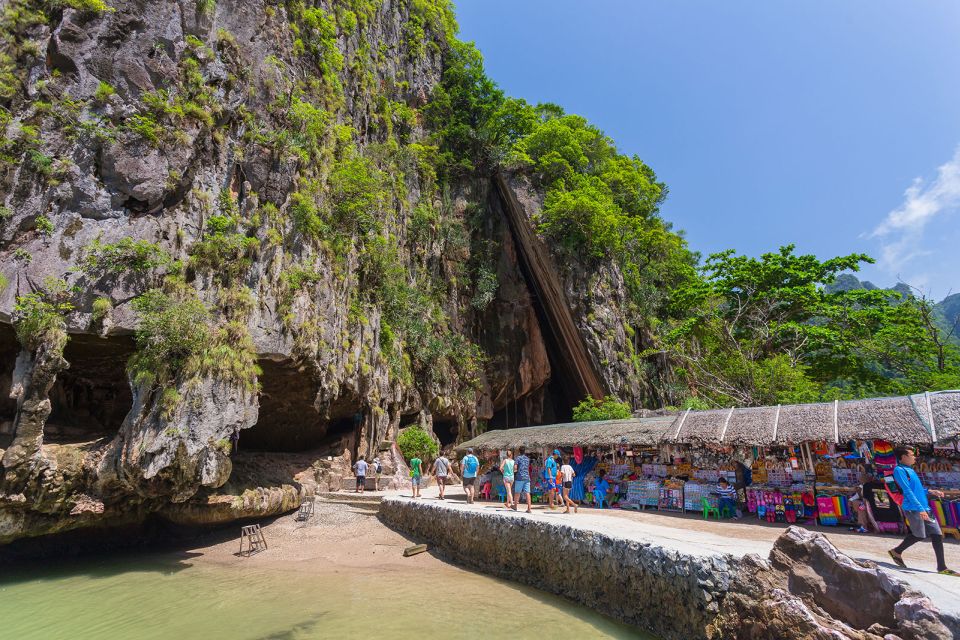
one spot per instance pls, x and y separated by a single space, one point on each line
222 217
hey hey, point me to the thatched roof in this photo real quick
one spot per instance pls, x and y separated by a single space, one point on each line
904 419
799 422
635 431
893 419
750 425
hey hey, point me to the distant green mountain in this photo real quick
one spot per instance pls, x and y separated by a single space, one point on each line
947 310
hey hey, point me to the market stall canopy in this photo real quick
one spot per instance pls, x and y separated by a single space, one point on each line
922 418
602 433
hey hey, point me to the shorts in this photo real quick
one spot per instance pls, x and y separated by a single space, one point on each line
521 487
551 485
921 528
441 480
469 482
360 481
415 480
568 484
508 481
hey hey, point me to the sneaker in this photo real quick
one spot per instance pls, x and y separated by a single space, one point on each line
862 530
897 558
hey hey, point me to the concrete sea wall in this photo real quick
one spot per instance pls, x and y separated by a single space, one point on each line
670 594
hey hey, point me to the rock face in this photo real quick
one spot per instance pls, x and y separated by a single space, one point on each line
806 589
269 162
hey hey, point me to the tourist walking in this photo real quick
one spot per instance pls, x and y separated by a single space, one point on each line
506 468
470 466
521 483
550 469
567 474
441 469
416 475
916 509
377 470
360 468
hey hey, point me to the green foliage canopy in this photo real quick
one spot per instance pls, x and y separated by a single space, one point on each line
414 442
608 408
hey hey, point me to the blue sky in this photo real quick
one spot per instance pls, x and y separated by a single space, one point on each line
834 125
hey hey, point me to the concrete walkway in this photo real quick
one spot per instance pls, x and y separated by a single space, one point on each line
690 534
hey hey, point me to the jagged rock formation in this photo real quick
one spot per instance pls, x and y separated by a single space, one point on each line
253 182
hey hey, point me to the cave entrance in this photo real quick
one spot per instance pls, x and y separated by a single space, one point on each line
287 421
446 431
91 398
9 348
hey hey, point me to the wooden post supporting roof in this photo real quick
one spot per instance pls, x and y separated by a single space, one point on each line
933 426
836 422
776 424
726 423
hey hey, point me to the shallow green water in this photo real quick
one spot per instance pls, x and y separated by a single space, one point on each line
160 596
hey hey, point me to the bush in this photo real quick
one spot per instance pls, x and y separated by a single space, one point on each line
608 408
101 307
357 193
414 442
39 321
172 333
104 91
127 255
44 225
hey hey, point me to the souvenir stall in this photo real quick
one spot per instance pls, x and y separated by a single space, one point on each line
865 467
827 463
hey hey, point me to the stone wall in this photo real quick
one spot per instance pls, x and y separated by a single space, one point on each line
670 594
806 589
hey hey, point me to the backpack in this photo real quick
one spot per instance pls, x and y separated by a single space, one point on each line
471 464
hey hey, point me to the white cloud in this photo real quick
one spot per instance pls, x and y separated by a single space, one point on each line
902 230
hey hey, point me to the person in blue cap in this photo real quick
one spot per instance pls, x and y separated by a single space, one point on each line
550 468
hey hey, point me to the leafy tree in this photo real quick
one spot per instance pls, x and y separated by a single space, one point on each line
608 408
414 442
771 330
474 122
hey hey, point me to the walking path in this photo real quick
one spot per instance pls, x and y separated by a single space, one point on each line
691 534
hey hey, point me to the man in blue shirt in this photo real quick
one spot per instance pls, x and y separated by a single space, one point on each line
916 509
470 465
550 469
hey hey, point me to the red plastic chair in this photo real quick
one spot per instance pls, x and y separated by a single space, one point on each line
487 488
